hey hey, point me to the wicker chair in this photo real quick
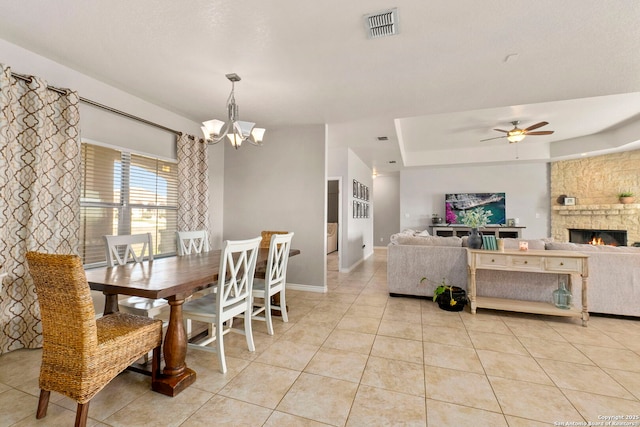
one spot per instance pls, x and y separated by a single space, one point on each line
266 237
81 354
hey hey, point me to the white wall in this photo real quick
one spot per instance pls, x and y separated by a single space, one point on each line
354 232
282 186
386 219
526 186
359 235
99 125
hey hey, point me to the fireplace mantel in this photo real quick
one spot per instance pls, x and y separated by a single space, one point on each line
610 209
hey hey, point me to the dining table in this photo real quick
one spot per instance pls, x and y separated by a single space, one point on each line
174 279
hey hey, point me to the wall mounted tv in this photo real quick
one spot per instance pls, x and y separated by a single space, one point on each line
458 202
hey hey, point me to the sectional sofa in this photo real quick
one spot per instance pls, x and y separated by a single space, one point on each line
614 272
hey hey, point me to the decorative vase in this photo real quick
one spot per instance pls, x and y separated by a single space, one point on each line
562 296
475 239
452 293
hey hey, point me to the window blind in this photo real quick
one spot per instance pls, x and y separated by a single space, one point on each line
126 193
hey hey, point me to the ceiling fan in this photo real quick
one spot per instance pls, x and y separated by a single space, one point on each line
516 134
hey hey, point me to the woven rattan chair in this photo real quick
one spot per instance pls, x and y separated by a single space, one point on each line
81 354
266 237
274 281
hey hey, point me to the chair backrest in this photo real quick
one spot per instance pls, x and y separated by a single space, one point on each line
266 237
278 259
192 242
128 248
66 306
237 268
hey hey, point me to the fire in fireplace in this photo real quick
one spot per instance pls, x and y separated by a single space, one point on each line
598 237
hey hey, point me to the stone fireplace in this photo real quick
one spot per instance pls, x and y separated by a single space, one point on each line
595 183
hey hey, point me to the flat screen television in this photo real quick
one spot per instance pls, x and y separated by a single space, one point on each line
458 202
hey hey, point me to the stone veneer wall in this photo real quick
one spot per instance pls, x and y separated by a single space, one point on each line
595 183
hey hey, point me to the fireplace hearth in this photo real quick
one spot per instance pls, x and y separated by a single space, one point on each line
598 237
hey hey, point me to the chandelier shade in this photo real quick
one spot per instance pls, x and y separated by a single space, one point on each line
235 130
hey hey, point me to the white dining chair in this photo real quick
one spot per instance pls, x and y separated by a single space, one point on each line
193 242
274 281
233 298
189 242
133 248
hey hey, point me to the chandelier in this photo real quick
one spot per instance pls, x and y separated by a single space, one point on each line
235 130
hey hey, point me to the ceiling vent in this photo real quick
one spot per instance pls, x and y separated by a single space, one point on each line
382 24
383 138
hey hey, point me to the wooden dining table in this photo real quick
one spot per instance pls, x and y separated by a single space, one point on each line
174 279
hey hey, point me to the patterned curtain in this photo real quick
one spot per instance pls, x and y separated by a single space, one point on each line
193 183
39 195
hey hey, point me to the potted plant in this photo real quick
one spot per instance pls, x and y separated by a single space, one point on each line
475 218
626 197
449 298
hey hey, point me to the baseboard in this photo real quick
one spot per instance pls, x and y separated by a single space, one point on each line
350 269
306 288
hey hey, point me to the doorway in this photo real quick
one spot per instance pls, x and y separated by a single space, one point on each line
334 209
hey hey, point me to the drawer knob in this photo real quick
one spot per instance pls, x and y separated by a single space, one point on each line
493 260
562 263
526 262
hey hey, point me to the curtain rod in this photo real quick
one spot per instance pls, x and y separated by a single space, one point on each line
102 106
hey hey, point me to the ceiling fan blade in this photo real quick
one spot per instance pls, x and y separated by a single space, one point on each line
540 132
489 139
501 130
536 126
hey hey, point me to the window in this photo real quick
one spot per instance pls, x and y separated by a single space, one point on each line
126 193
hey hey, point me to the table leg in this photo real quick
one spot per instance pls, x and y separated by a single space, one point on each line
472 290
175 376
585 311
275 300
111 303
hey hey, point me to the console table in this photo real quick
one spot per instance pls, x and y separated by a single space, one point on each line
534 261
461 230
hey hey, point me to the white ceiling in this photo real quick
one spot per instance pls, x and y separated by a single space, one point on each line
435 90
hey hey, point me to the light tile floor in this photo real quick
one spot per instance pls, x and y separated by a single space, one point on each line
357 357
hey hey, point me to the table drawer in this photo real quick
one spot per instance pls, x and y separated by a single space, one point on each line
528 263
563 264
491 260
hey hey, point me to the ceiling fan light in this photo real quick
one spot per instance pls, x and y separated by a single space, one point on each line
516 137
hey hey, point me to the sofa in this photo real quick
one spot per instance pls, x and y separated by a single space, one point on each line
614 272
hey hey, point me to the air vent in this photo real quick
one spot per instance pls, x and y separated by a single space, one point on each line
392 162
383 138
382 24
